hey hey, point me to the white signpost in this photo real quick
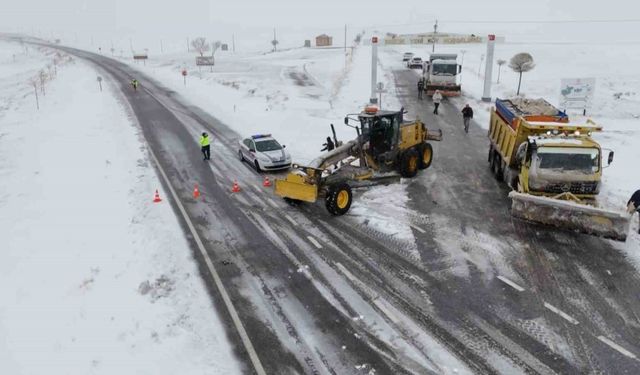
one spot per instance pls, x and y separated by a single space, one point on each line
374 69
577 93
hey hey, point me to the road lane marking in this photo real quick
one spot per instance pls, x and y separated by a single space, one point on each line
257 199
563 314
271 202
256 188
617 347
511 283
244 337
314 242
418 228
291 220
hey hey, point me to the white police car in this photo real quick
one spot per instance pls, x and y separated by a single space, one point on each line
264 153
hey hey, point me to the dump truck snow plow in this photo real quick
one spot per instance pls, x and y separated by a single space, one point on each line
570 215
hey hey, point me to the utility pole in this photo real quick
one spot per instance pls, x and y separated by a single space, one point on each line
161 47
275 45
435 32
188 45
131 44
233 43
345 39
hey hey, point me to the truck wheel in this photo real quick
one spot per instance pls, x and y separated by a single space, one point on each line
427 156
409 163
497 168
293 202
338 200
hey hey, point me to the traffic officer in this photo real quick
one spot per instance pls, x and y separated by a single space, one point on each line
205 142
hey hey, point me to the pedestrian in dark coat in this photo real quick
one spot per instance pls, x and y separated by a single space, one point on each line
634 206
467 115
420 88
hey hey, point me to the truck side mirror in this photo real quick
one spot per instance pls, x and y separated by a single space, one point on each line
346 121
459 69
610 159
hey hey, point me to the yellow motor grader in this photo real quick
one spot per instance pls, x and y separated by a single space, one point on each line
386 147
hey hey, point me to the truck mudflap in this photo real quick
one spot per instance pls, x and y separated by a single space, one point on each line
570 215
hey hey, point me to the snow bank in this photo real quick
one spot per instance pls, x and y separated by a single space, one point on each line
94 277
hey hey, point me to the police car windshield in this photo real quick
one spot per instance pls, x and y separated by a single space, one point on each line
268 145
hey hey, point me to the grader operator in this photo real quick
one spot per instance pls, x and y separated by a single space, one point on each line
386 145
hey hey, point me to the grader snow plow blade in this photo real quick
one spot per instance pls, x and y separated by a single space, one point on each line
570 215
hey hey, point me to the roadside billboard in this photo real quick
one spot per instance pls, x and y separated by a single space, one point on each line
577 93
205 61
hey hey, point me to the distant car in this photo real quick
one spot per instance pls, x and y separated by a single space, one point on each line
415 63
407 56
264 153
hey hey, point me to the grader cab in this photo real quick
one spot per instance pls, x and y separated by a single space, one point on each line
386 146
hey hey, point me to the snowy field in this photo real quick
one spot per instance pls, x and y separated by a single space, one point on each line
94 277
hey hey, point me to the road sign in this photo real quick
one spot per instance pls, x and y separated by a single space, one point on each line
374 39
99 79
577 93
140 56
380 87
205 61
184 72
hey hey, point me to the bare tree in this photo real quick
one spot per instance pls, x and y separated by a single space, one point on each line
43 78
521 63
200 45
34 83
214 46
500 62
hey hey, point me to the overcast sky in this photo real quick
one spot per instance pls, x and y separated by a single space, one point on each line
218 19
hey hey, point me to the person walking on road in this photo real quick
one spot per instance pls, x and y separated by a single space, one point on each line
205 146
437 98
329 145
420 87
634 206
134 84
467 115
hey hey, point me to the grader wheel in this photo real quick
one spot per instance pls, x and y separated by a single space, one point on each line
339 198
426 156
409 163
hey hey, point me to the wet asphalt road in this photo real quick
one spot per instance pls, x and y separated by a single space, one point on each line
584 277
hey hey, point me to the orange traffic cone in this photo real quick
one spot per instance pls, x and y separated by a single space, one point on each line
266 182
156 198
236 187
196 192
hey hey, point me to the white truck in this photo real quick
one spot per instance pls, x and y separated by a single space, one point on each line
441 73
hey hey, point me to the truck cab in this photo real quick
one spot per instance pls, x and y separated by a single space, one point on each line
441 73
560 165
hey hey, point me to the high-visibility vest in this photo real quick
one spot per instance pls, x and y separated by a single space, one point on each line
204 141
